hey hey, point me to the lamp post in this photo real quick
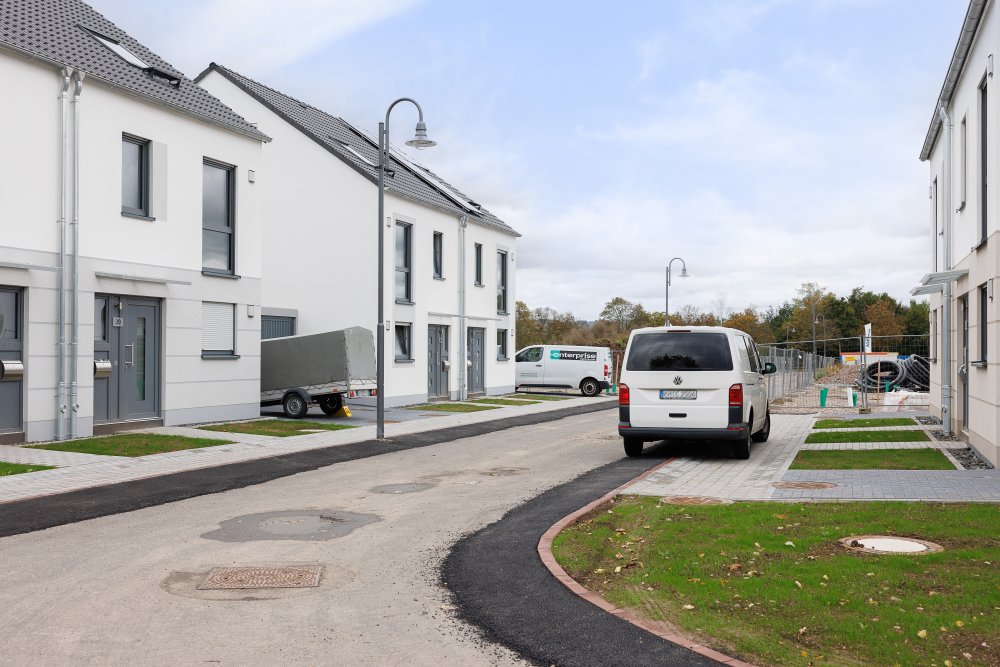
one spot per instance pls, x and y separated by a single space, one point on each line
815 322
666 298
419 140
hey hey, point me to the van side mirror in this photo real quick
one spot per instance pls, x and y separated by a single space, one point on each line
770 368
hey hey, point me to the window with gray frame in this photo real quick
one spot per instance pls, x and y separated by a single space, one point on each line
983 163
404 338
501 282
438 255
501 344
218 329
135 176
217 218
984 310
275 326
479 264
404 256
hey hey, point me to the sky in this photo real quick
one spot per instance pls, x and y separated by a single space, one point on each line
766 143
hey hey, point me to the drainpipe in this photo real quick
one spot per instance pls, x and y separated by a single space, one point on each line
946 294
74 306
67 73
463 338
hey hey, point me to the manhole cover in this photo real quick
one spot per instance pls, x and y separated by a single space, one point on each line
803 485
401 488
886 544
225 578
305 525
695 500
502 472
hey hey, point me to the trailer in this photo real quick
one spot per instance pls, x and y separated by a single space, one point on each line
323 368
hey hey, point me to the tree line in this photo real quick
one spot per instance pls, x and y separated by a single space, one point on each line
833 317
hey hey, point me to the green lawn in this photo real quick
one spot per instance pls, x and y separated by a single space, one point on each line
281 428
872 459
132 444
769 583
867 436
503 401
18 468
541 397
865 423
451 407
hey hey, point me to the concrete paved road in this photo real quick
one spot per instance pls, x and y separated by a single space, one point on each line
123 589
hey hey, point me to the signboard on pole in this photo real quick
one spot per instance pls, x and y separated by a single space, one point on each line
868 337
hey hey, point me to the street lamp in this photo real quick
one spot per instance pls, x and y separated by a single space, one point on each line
815 322
666 299
419 140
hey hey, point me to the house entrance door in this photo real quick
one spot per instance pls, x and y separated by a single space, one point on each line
12 356
437 361
126 334
477 339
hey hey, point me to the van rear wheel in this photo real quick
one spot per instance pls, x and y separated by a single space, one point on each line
765 431
590 387
741 448
633 447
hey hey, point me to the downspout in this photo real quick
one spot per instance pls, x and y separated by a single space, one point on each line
946 294
74 306
463 337
67 73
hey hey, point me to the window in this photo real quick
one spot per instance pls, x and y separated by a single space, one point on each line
101 318
135 176
680 352
501 344
404 337
217 204
752 355
438 255
934 334
502 282
9 314
983 147
276 326
984 310
934 220
218 329
403 260
531 354
479 264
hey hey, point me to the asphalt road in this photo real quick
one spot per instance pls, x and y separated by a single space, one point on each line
123 588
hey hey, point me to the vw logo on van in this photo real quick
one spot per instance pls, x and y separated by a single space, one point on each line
678 380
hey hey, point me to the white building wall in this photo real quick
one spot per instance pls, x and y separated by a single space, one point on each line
167 248
320 254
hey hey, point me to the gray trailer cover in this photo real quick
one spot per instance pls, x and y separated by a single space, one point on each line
344 356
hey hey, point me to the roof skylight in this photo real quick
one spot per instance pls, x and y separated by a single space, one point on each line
356 153
120 50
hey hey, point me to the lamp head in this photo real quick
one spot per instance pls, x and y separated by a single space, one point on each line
420 139
684 272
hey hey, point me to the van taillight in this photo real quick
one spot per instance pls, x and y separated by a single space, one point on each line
623 394
736 395
605 370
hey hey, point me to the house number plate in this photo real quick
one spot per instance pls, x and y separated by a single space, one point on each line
117 321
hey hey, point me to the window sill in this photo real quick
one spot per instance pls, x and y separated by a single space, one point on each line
403 361
402 302
138 216
219 274
478 285
441 278
502 312
503 358
980 364
206 355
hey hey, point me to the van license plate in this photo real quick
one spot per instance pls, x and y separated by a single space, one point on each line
679 394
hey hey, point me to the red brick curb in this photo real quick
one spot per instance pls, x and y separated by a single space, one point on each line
545 553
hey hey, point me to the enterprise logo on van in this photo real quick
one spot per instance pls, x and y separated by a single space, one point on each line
573 356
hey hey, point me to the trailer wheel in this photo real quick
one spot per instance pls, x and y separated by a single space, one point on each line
294 406
331 405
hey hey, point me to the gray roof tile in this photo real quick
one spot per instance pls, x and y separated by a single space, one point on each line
57 31
410 180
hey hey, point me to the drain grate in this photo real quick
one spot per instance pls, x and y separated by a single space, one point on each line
803 485
226 578
694 500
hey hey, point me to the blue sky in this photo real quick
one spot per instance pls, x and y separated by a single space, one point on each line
768 142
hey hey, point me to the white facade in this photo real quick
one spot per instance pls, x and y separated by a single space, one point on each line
156 260
974 110
320 258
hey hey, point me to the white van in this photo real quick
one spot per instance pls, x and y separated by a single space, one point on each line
564 366
693 383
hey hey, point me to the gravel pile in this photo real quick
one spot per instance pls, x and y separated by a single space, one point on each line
969 459
845 375
939 435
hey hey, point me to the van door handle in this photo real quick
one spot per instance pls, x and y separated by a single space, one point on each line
538 365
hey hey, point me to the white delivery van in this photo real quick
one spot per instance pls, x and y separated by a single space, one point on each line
564 366
693 383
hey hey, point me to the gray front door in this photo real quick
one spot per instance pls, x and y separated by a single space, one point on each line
126 332
477 338
437 361
11 349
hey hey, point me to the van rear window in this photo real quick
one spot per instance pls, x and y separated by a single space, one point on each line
680 352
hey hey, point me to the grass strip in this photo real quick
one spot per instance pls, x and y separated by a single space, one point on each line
281 428
132 444
503 401
451 407
872 459
540 397
20 468
864 423
867 436
770 582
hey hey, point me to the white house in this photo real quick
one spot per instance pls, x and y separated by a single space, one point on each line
451 291
129 235
961 148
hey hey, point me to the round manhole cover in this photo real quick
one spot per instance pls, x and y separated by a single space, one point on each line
886 544
394 489
502 472
695 500
803 485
